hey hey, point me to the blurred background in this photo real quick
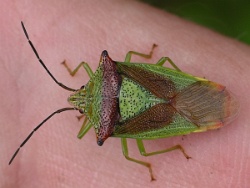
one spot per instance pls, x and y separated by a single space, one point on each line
228 17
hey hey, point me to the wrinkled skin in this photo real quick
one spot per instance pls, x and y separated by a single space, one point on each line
80 30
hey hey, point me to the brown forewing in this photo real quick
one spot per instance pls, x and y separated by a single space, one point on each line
154 118
159 85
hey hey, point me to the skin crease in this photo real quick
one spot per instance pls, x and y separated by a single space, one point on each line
80 30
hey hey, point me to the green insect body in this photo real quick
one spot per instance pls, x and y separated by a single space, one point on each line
145 101
153 102
157 102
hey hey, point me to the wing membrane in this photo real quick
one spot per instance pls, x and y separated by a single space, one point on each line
206 103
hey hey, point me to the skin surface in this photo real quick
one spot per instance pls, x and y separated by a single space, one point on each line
81 30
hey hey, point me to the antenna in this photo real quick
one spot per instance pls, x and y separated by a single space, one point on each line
41 62
56 112
37 127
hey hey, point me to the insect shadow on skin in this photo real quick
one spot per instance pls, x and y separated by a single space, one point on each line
144 102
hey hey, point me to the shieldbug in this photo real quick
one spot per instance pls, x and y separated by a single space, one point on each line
144 101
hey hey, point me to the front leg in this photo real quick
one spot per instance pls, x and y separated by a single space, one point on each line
82 64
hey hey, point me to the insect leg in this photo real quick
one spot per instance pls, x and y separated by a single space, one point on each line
85 128
85 66
148 56
144 153
164 59
125 153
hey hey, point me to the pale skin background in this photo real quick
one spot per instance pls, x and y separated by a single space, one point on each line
78 31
